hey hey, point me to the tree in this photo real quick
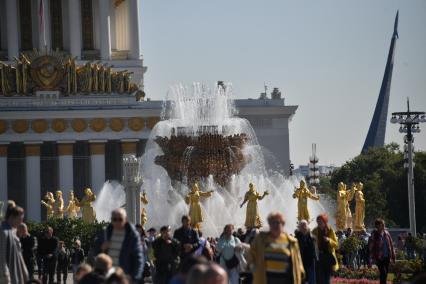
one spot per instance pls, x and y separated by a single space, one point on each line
382 172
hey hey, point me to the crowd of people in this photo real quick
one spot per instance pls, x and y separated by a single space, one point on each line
124 253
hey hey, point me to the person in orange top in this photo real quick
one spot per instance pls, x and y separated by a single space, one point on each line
274 256
326 244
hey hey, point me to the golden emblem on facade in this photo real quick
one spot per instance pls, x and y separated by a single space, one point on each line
3 126
136 123
116 124
59 125
20 125
57 71
97 124
39 125
79 124
47 72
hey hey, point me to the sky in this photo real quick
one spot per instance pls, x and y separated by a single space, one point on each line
327 57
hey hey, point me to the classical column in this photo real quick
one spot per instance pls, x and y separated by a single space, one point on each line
104 30
130 181
74 12
12 28
135 30
3 173
97 165
66 171
33 182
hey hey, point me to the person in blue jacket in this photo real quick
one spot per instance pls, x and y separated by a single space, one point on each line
121 242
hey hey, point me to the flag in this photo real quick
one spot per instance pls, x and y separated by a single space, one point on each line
41 20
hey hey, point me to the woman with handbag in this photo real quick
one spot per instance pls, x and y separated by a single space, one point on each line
226 248
326 244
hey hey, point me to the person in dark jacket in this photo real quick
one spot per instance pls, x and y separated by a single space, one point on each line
187 237
307 250
27 245
381 249
62 266
76 256
166 255
46 249
121 242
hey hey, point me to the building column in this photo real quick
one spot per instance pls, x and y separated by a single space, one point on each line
45 38
33 182
74 12
97 165
66 170
12 28
135 30
133 196
3 174
104 30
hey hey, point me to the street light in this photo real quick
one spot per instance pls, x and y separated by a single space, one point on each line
409 123
313 169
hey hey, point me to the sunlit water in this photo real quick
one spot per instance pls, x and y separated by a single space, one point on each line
186 111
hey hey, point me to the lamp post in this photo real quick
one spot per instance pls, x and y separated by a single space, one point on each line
409 123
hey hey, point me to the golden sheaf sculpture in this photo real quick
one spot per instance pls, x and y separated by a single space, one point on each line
47 72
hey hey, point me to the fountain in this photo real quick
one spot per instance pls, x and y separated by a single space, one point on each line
201 139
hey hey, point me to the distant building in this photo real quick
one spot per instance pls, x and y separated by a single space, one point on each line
303 170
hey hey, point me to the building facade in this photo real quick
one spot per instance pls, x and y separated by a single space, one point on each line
69 116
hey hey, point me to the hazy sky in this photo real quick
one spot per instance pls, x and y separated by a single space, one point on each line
327 57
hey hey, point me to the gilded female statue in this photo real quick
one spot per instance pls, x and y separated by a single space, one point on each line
359 208
252 211
72 208
88 212
58 209
144 216
341 213
49 203
350 195
302 194
193 199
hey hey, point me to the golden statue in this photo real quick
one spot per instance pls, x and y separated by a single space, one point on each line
108 79
359 208
49 203
144 217
252 211
72 207
4 79
18 76
88 212
58 209
193 199
94 71
88 76
302 194
101 78
349 196
341 212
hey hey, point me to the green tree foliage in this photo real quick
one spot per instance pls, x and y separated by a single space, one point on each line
382 172
69 230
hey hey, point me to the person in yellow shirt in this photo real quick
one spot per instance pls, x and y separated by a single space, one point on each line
326 244
274 256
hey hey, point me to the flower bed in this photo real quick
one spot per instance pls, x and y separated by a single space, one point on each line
362 273
338 280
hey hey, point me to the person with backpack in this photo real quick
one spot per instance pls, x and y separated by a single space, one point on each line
226 248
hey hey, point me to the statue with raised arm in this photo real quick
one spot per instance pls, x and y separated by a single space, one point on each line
341 207
252 211
359 208
88 212
302 194
58 209
49 203
193 200
72 207
144 216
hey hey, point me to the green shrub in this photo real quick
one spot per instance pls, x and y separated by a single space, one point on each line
351 244
69 230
